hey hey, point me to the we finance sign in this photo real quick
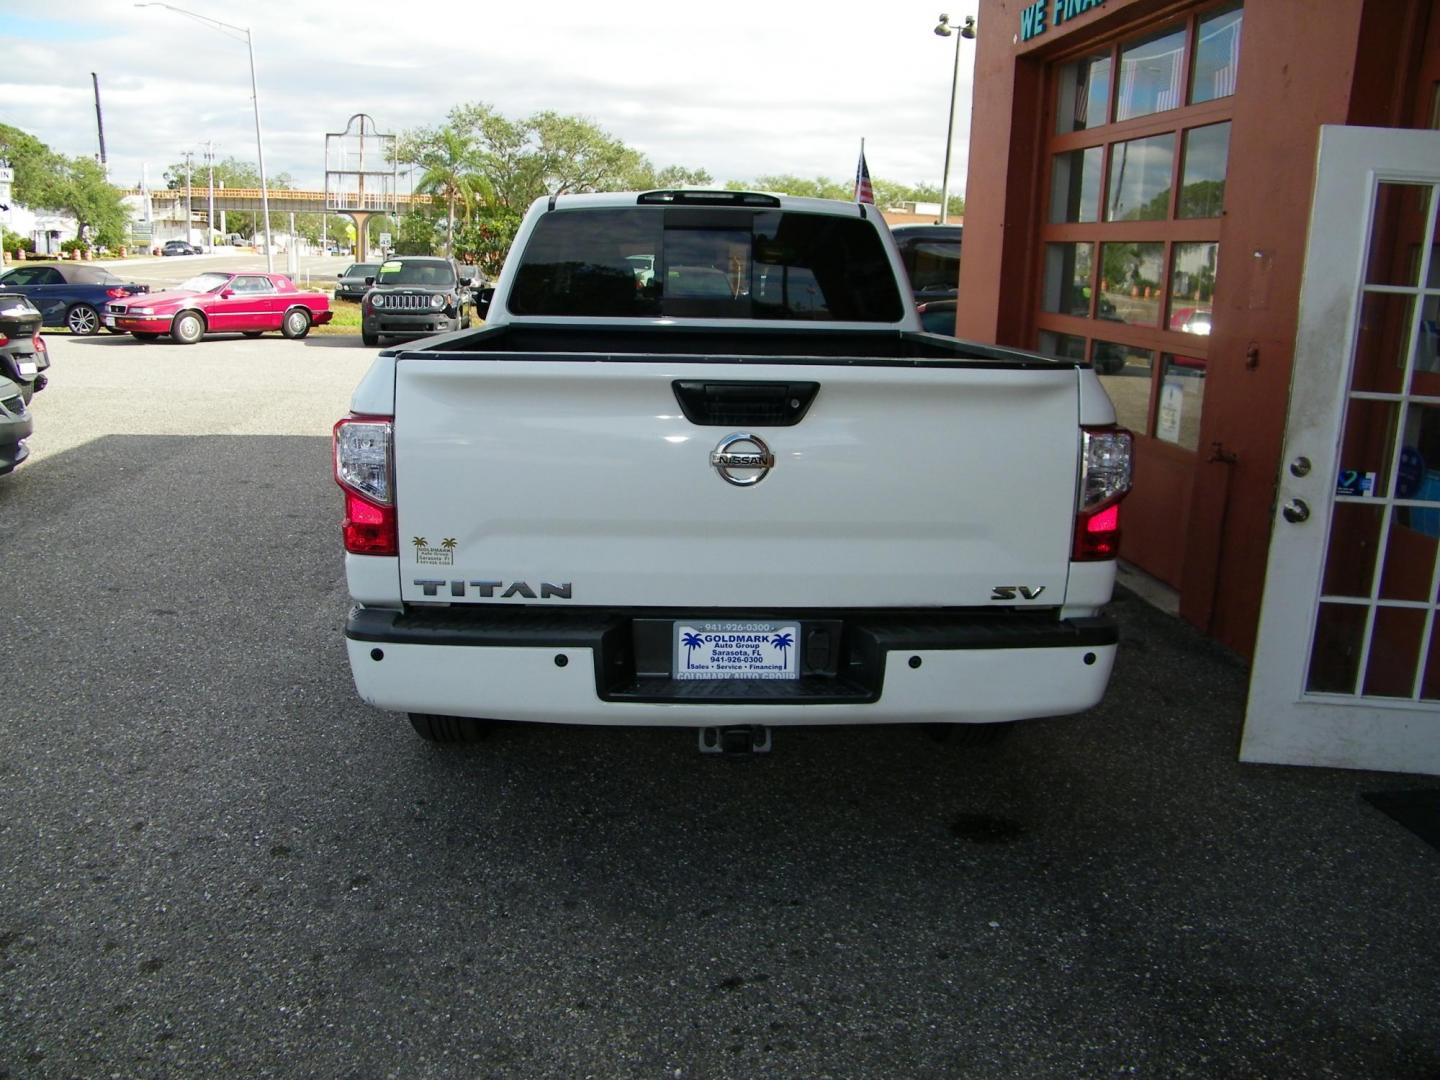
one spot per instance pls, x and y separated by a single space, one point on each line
1043 14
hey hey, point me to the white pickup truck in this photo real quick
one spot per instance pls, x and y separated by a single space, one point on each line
702 468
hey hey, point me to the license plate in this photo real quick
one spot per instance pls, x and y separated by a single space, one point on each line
109 320
737 650
28 369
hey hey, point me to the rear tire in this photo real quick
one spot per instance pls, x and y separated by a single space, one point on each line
296 324
451 730
252 333
188 328
144 335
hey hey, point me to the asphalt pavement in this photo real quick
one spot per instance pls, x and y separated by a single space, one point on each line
216 861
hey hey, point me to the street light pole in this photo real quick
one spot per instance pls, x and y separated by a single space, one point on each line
944 29
189 187
230 31
210 212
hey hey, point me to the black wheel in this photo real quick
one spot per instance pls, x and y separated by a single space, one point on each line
296 324
188 327
252 333
143 335
83 320
450 730
369 338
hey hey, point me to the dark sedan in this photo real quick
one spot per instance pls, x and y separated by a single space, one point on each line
179 247
69 296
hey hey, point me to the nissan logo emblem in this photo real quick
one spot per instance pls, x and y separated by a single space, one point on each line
742 459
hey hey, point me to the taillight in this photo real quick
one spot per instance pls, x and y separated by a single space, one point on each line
364 469
38 342
4 340
1106 456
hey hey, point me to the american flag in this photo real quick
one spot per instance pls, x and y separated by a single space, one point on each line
864 193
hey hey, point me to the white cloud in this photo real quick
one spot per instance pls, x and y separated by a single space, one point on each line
743 89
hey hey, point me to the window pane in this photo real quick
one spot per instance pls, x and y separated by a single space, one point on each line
1130 278
1427 345
1067 278
1140 179
1409 559
934 266
707 264
1083 88
1402 222
1418 473
1063 346
1202 187
1335 651
1151 75
1192 285
1350 554
1366 448
1125 373
1182 397
1386 320
1217 56
1075 186
1393 652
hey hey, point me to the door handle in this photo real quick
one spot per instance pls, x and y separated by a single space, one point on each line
1296 511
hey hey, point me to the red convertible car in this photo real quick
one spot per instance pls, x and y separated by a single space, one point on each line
215 303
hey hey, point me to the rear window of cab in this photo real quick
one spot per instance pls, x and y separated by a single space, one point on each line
692 262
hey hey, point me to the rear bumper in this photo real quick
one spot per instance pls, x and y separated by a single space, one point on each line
595 667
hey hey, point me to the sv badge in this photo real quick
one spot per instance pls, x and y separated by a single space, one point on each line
1011 592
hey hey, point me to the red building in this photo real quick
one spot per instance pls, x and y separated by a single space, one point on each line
1139 193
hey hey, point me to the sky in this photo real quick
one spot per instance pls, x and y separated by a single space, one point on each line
741 89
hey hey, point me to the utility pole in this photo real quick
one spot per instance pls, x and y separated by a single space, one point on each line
100 126
189 213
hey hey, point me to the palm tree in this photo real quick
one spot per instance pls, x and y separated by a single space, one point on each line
420 542
451 160
691 641
449 543
783 642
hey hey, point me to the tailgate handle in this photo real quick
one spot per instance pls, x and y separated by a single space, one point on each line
744 404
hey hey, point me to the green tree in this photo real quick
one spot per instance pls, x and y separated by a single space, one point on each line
45 180
39 171
417 234
676 176
450 163
95 203
821 187
517 161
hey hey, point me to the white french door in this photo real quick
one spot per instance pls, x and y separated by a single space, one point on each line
1347 663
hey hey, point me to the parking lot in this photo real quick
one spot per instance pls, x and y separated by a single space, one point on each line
215 860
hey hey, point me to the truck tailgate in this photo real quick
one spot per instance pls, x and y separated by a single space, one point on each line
902 486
